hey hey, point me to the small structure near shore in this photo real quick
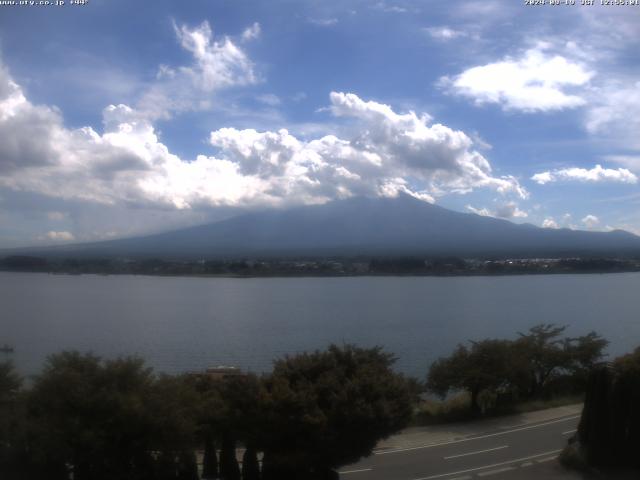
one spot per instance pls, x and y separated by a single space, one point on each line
222 372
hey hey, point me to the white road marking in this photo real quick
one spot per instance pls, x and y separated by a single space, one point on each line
515 460
355 471
466 477
493 472
542 460
569 432
399 450
475 453
526 464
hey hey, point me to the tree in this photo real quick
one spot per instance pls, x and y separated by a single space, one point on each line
12 422
250 465
209 459
543 347
585 353
229 412
105 419
187 466
166 467
229 468
486 365
525 367
61 412
550 356
10 383
609 429
173 403
330 408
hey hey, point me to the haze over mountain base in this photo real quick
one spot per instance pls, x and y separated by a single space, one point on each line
401 226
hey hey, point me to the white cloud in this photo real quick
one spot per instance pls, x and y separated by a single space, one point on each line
595 175
536 81
26 136
385 7
563 221
324 22
632 162
252 32
127 164
505 210
62 236
510 210
609 115
439 156
218 64
269 99
543 177
590 221
480 142
444 33
488 10
483 212
389 152
613 106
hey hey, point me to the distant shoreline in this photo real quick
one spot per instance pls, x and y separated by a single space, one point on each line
320 267
327 275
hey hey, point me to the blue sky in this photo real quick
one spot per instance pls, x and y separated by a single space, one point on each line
118 118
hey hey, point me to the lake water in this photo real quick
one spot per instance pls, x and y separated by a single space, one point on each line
179 324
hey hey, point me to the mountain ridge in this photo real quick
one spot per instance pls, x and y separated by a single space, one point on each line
357 226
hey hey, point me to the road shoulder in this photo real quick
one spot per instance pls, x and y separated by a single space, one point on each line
415 437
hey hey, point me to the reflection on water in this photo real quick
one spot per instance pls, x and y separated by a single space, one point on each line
180 324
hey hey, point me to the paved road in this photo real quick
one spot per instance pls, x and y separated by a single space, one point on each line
518 452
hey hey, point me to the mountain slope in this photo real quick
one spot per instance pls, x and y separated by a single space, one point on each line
362 226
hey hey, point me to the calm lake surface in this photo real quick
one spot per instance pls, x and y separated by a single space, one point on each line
179 324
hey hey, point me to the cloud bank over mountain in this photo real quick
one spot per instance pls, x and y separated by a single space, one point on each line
134 120
383 152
